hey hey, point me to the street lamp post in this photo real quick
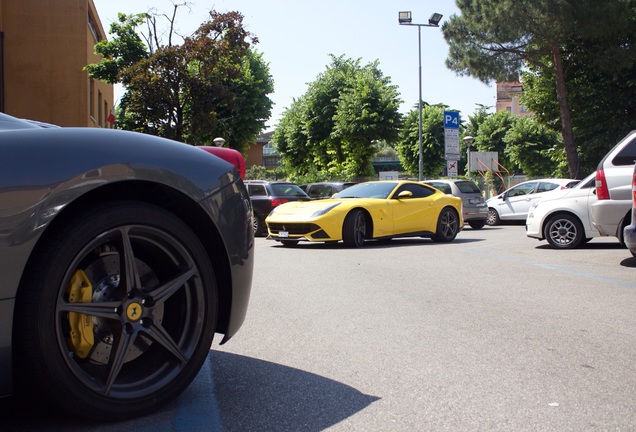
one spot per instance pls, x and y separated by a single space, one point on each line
404 18
469 141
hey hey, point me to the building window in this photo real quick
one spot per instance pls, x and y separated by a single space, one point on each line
269 149
91 26
100 114
91 98
1 72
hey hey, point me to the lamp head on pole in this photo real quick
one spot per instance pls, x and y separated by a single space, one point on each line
435 19
405 17
218 142
468 140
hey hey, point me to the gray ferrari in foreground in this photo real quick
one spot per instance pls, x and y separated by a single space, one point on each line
121 254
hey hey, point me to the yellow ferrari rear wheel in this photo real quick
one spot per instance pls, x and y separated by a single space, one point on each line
447 225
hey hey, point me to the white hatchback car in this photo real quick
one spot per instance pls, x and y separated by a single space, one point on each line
563 216
515 203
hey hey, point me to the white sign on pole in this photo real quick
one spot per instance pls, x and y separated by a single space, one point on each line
451 168
451 144
451 136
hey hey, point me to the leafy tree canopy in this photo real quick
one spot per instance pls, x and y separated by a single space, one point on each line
534 148
523 145
408 145
213 84
602 102
334 125
497 39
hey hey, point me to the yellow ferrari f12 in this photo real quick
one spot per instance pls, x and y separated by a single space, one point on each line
371 210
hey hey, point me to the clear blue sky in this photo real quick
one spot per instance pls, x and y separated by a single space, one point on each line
297 36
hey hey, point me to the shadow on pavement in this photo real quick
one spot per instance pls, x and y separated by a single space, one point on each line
231 393
255 395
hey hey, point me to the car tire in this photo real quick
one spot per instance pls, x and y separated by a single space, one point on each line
116 314
564 231
493 217
447 226
477 224
627 220
354 229
258 226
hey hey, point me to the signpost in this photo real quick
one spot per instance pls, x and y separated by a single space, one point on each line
451 168
451 141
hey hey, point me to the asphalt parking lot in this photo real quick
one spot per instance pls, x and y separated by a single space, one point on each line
494 331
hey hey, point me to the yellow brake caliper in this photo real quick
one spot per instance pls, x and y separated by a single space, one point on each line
80 290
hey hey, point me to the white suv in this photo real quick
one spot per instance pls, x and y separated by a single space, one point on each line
611 213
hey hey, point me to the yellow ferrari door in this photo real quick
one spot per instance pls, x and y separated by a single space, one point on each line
414 209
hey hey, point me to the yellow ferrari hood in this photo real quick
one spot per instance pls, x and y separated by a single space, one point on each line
306 209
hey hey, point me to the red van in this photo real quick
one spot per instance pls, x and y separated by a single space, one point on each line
230 155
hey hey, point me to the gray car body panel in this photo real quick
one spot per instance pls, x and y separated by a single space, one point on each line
44 170
473 203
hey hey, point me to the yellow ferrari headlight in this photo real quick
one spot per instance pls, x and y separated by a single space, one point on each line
324 210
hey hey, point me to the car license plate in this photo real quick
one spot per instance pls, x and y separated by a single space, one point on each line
283 234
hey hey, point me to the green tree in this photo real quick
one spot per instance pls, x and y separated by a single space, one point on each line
496 39
408 144
334 125
122 51
290 139
534 148
213 84
490 138
471 128
602 101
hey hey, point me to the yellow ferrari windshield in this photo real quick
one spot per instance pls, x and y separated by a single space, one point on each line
379 190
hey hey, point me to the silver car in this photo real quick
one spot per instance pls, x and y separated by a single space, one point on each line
474 206
612 211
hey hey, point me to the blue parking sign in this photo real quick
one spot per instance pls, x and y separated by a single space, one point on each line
451 120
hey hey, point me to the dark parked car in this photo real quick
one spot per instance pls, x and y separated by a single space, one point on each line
325 189
121 255
629 234
266 195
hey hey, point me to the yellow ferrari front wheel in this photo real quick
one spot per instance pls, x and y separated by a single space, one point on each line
354 229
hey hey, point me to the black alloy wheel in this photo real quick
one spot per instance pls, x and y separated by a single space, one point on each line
354 229
117 313
447 225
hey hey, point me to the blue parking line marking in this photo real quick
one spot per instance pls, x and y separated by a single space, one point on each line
201 412
559 269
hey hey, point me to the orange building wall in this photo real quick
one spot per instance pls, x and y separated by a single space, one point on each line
254 154
46 45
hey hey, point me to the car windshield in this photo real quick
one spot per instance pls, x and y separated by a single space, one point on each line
288 190
379 190
467 187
